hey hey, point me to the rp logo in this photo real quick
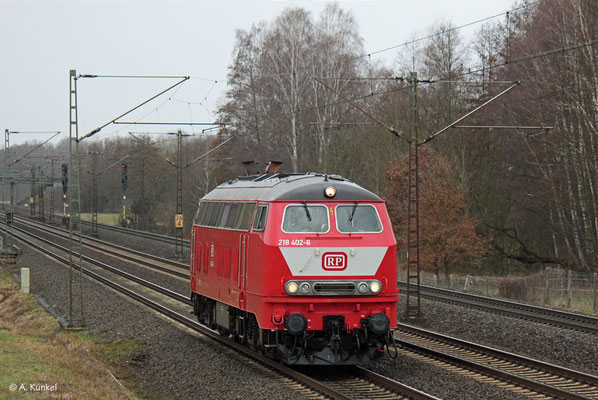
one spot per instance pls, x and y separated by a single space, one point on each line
334 261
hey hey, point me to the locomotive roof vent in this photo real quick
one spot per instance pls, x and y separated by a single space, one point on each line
250 167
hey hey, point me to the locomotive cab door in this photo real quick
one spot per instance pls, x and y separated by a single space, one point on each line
193 261
242 271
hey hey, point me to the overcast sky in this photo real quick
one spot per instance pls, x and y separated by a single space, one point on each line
40 41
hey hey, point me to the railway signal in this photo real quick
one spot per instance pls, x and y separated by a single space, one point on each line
125 178
65 177
65 180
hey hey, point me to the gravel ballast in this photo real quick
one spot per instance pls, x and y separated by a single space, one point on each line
567 348
174 363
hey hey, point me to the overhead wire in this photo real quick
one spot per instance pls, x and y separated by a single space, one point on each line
98 129
454 29
369 54
265 116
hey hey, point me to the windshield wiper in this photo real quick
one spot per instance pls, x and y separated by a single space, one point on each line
307 211
353 212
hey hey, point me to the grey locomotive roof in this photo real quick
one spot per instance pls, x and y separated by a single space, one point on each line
271 187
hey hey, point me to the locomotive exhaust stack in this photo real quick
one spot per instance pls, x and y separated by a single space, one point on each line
273 167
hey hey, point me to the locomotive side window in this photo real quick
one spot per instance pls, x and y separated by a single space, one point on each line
201 209
305 219
224 216
260 219
204 212
214 214
245 214
357 218
232 216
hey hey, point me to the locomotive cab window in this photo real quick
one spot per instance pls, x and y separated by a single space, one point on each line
305 219
352 218
260 219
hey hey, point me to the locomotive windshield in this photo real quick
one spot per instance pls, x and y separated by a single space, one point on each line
357 218
305 219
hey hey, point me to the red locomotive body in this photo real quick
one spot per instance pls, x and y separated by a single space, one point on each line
303 266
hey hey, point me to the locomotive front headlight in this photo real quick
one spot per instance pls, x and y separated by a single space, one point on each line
375 287
292 287
362 287
305 287
330 191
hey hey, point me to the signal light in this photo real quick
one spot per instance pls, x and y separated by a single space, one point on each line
125 178
65 177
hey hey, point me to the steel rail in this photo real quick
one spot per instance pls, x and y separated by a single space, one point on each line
503 355
550 316
311 383
390 384
143 282
492 372
105 247
135 232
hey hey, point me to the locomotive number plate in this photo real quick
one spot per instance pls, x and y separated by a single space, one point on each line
294 242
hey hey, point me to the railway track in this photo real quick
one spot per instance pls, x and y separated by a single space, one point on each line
360 384
149 260
129 231
544 315
521 374
136 232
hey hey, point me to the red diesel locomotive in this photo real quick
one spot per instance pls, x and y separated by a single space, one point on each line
302 266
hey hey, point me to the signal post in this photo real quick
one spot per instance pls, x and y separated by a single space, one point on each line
124 181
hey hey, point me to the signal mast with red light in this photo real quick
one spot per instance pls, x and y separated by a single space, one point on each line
124 181
65 180
123 167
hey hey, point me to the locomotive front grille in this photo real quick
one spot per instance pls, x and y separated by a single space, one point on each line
334 287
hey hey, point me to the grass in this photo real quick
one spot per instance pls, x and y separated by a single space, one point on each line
34 350
108 219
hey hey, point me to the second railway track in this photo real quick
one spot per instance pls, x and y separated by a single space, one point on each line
530 312
529 376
